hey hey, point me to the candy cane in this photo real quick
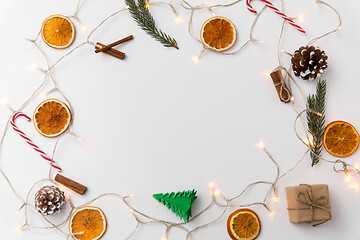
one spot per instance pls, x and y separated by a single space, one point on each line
22 134
277 11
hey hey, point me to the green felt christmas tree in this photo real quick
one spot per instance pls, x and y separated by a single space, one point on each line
179 203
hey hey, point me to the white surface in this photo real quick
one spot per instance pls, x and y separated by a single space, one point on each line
157 122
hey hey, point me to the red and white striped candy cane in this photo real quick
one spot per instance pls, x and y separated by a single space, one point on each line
22 134
277 11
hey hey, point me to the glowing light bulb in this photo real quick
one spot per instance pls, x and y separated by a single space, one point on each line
35 67
19 229
292 99
300 18
132 211
267 74
61 187
4 102
340 27
271 213
178 19
147 5
276 198
355 186
132 195
44 95
213 13
217 192
164 238
261 145
211 185
83 27
347 177
196 59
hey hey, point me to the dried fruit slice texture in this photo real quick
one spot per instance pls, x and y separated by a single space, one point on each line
87 223
58 31
341 139
218 34
51 118
243 224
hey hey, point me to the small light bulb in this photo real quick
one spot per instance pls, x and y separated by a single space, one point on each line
196 59
34 67
347 177
4 102
267 74
356 186
217 192
261 145
147 6
132 195
271 213
340 27
164 238
132 211
300 18
19 229
178 19
211 185
213 13
316 4
276 198
83 27
44 95
61 187
292 99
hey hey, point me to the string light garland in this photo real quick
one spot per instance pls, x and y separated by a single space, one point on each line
217 199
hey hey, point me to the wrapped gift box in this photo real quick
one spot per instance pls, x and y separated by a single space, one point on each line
308 203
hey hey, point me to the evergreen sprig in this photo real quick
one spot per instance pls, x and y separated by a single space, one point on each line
142 16
316 120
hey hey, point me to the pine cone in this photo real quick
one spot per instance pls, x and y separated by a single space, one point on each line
49 200
309 62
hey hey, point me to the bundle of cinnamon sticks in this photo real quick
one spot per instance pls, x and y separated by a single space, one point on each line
108 49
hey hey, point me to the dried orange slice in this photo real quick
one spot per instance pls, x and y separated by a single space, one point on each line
51 118
341 139
243 224
218 34
58 31
87 223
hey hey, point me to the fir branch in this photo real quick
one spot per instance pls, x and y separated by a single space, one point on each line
316 120
142 16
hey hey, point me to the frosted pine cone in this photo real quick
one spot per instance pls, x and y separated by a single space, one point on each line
49 200
309 62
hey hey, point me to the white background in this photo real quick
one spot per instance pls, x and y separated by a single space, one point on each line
158 122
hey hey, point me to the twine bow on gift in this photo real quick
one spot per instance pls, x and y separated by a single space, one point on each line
307 199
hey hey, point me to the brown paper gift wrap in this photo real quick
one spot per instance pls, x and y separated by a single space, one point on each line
308 203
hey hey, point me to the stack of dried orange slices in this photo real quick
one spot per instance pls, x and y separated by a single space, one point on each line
218 34
58 31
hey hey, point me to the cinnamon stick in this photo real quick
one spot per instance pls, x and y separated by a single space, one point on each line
111 51
107 47
76 187
281 88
